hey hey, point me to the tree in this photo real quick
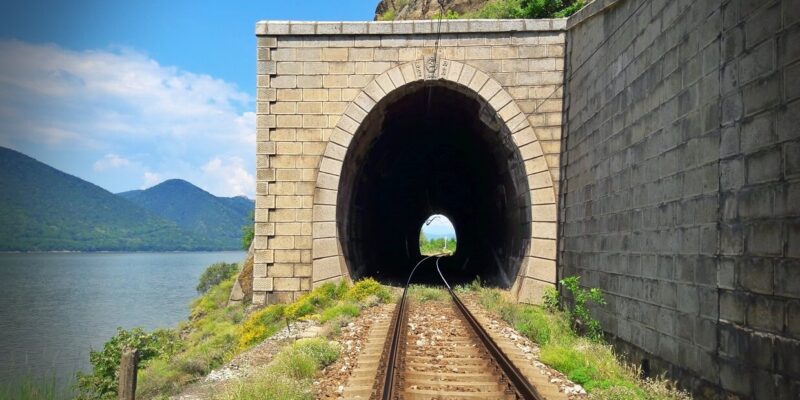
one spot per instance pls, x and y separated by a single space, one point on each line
248 231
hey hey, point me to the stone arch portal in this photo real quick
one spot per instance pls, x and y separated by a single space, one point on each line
365 204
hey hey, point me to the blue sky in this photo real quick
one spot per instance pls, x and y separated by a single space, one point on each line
439 226
128 94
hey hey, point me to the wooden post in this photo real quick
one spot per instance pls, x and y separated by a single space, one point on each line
128 365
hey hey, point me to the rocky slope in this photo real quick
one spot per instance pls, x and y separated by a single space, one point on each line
424 9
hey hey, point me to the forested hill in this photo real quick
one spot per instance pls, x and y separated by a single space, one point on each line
44 209
219 219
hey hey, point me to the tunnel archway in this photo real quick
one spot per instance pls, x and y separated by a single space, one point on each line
431 148
409 146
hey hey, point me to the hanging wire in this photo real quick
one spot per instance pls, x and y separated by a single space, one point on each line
435 56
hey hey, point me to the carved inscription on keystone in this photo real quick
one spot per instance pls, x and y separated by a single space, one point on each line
431 68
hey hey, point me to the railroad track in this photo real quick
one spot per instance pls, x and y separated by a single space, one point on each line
458 360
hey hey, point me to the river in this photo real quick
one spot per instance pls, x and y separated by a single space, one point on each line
55 307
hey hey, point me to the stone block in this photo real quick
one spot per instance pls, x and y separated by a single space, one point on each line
541 269
764 238
325 268
262 284
764 166
286 284
765 314
259 270
531 291
324 248
280 271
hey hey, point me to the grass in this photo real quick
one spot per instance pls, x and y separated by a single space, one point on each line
422 293
590 363
32 387
217 332
208 340
289 375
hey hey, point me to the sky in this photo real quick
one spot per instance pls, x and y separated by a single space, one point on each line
437 226
127 94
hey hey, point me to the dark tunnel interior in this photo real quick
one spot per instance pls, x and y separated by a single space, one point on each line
433 148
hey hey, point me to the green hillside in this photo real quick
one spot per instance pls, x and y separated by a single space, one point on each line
44 209
216 219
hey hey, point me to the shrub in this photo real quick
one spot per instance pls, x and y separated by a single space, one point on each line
304 357
261 325
215 274
209 339
365 288
349 310
579 314
319 298
550 300
389 15
102 382
248 231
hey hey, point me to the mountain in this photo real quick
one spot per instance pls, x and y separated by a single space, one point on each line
216 219
44 209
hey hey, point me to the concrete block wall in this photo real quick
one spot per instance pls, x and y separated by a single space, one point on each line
680 185
310 77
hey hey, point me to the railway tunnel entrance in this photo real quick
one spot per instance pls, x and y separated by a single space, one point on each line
433 147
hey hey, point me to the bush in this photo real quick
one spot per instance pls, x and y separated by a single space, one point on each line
102 382
209 339
365 288
303 358
289 375
349 310
248 231
215 274
268 384
579 313
508 9
261 325
319 298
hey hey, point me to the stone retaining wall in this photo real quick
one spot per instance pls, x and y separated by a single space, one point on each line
681 186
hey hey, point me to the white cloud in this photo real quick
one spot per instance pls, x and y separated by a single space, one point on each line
228 177
151 179
105 103
111 161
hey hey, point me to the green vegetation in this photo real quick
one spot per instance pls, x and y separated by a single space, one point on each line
436 246
579 315
585 360
289 375
218 220
526 9
208 340
422 293
389 15
102 382
216 332
507 9
31 387
215 274
449 14
44 209
248 231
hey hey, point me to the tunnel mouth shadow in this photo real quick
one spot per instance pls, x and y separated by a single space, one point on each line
433 147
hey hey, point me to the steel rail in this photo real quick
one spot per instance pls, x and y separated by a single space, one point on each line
393 355
518 380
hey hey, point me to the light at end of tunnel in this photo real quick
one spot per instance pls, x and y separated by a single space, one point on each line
437 236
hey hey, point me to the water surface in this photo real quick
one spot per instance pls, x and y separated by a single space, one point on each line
54 307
